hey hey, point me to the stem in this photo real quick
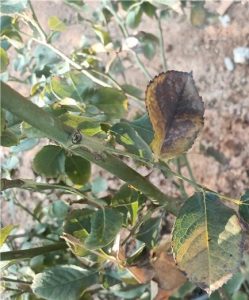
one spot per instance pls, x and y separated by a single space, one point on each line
189 168
29 253
161 41
182 188
42 120
38 26
17 203
15 280
125 34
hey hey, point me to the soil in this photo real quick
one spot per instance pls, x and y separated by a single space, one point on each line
220 156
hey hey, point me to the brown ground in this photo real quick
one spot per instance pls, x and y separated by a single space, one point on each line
225 93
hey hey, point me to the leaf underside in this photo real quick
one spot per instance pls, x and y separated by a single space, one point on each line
176 112
207 241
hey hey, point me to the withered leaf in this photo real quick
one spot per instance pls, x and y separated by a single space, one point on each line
176 112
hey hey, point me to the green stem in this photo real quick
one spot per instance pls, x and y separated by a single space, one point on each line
45 122
29 253
125 34
189 168
182 188
161 41
38 26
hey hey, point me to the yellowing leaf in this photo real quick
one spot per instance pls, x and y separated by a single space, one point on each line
56 24
4 233
207 241
176 113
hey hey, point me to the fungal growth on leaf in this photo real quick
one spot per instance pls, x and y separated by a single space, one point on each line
176 112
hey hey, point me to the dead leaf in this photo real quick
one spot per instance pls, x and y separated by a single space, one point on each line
176 112
167 275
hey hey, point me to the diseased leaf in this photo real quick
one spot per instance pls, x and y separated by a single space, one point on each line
5 232
63 282
244 207
78 169
207 241
105 224
127 136
176 113
49 161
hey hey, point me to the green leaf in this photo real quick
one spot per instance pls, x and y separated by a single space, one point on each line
144 128
78 169
207 241
149 232
149 43
132 90
4 60
63 282
78 225
5 232
111 101
58 209
149 9
105 225
126 195
127 136
102 35
8 138
240 296
244 207
86 125
13 6
133 17
55 24
234 284
49 161
99 185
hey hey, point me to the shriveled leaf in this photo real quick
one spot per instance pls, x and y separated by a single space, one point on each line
105 225
5 232
176 113
127 136
8 138
49 161
78 169
63 282
207 241
55 24
13 6
167 275
4 60
244 207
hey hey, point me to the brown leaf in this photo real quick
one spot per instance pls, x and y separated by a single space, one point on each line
176 112
167 275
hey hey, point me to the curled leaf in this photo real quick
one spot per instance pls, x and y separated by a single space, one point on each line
176 113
